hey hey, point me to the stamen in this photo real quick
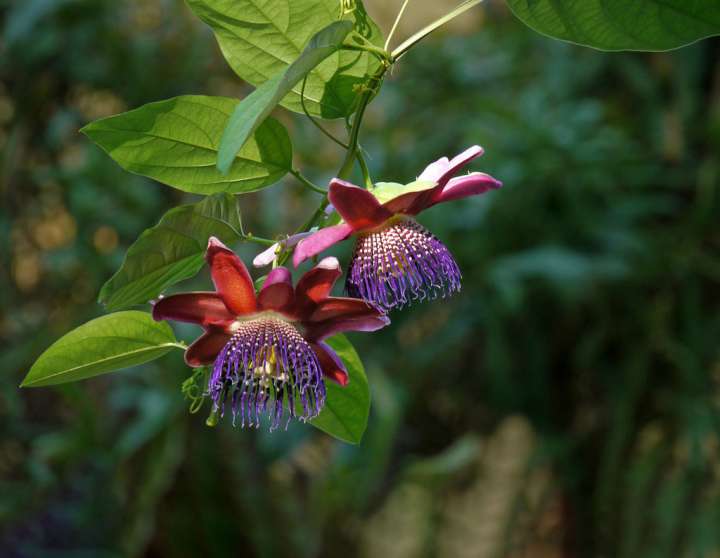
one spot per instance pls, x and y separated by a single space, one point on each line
399 264
266 366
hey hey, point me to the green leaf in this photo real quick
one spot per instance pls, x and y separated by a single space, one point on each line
171 251
386 191
346 410
257 106
622 24
176 142
102 345
261 38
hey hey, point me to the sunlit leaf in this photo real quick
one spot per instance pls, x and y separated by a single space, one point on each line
256 107
346 410
622 24
171 251
176 142
102 345
261 38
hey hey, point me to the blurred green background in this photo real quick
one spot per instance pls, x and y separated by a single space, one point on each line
564 404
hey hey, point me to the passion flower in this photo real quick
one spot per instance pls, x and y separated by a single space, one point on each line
266 350
396 260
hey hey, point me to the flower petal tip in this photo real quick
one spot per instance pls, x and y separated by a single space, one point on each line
329 263
214 246
215 242
298 256
266 257
340 183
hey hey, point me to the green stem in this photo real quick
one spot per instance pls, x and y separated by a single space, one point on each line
307 183
365 97
381 53
250 237
364 168
425 31
397 21
315 122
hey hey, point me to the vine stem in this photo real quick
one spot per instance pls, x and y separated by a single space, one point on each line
250 237
315 122
406 45
364 168
367 94
307 183
395 24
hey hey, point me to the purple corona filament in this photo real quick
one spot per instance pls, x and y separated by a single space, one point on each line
399 264
266 366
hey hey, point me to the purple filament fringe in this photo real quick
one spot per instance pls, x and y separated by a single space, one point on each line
266 366
401 264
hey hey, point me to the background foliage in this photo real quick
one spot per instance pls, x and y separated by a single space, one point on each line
565 404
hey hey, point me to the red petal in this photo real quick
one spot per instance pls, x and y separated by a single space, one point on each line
332 367
317 331
197 308
231 278
358 207
277 291
316 285
206 348
341 307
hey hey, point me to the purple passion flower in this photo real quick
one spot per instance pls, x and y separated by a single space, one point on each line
396 260
266 350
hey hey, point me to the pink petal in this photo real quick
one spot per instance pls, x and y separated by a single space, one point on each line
196 308
206 348
231 278
277 291
358 207
341 307
435 170
463 186
443 170
319 241
331 364
317 331
316 285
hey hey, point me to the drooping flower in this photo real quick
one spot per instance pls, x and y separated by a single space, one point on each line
396 260
267 350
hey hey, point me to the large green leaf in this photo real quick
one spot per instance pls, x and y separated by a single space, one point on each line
171 251
346 410
622 24
256 107
260 38
102 345
176 142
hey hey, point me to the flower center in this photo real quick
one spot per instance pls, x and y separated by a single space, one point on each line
264 368
401 262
